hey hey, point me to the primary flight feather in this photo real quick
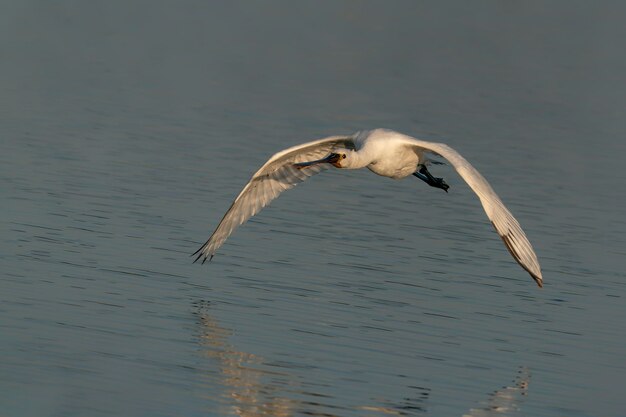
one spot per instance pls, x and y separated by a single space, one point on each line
384 152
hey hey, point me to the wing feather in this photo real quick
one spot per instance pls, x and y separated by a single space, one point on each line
501 218
275 176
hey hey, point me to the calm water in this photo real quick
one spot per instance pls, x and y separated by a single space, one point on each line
127 129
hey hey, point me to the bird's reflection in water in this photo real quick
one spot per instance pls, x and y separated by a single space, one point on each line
252 391
242 380
505 401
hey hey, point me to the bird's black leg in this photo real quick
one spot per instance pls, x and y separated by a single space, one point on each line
424 175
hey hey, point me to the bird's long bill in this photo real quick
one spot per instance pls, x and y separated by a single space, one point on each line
333 158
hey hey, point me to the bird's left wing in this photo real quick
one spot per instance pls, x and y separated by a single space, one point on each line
275 176
501 218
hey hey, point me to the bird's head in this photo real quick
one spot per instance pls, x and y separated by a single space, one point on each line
339 158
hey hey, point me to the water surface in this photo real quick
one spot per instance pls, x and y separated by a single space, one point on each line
127 130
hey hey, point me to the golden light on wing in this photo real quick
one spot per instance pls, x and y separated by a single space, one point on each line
507 227
275 176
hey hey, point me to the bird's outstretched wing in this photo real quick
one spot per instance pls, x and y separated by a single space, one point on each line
503 221
277 175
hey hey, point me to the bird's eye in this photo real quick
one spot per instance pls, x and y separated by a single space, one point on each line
343 156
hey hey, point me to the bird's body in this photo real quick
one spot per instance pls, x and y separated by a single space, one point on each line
387 155
384 152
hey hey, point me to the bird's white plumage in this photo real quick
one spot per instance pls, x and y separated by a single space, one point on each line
384 152
503 221
275 176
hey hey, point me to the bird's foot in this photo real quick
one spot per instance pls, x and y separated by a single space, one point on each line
440 183
424 175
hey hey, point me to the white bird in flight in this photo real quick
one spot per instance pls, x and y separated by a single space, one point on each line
384 152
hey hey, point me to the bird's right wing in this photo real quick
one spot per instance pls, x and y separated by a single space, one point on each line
501 218
275 176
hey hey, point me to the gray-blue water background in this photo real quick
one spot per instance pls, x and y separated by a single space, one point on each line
127 128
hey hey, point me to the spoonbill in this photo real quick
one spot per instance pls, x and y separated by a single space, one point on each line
384 152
